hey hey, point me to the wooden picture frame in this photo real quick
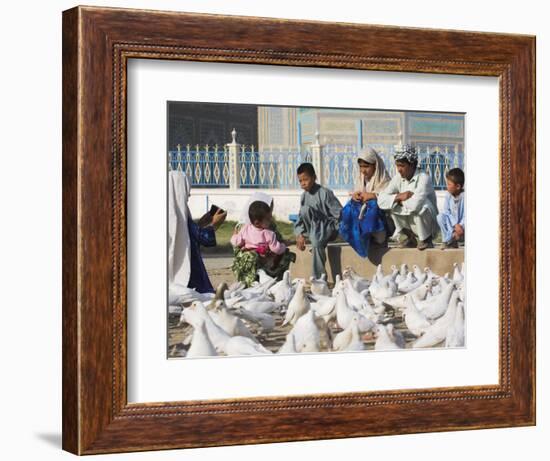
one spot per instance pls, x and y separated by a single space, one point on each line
97 42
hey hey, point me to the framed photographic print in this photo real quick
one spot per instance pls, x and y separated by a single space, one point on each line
264 230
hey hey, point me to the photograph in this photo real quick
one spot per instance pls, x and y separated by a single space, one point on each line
313 229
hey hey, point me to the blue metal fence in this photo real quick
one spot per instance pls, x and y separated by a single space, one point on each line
270 169
275 168
205 167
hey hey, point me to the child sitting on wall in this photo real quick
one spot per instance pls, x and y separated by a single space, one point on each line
451 219
318 219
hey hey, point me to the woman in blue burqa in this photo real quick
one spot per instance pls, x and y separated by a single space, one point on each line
362 222
185 265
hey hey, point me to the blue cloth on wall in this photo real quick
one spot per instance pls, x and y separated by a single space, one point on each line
204 236
357 232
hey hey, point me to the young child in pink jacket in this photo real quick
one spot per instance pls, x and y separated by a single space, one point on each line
257 246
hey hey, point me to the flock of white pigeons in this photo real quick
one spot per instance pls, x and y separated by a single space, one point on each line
352 316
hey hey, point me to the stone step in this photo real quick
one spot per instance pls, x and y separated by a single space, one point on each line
341 255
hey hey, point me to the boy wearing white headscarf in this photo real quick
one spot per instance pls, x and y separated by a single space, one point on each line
410 197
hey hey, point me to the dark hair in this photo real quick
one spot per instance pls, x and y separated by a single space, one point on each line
456 175
308 169
258 211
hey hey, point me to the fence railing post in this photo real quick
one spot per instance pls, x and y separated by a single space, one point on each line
317 159
233 153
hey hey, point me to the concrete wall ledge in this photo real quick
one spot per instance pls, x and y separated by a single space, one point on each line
341 255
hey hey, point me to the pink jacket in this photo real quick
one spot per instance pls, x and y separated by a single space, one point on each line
251 237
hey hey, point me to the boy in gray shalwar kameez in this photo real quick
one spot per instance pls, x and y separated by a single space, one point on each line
318 219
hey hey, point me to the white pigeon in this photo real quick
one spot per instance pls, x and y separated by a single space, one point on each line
355 343
417 271
174 309
261 307
444 281
234 289
289 346
325 307
282 291
461 293
455 333
380 292
374 314
344 314
403 271
436 306
298 306
403 286
178 294
399 302
218 296
354 298
416 322
244 295
365 322
337 281
379 275
298 280
239 345
386 340
232 301
431 274
437 332
342 339
413 282
263 277
265 321
223 342
235 286
306 333
358 282
201 346
319 286
390 277
259 288
457 275
231 324
197 314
